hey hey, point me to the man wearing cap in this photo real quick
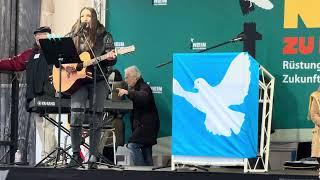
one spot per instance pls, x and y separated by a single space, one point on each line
37 78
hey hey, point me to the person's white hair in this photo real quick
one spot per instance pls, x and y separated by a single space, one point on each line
133 71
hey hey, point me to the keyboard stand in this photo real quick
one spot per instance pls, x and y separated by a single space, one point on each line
109 163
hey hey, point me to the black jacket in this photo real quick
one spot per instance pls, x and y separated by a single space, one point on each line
144 117
37 72
104 44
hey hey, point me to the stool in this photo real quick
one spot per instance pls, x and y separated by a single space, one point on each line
105 139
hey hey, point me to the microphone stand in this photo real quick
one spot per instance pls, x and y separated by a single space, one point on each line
238 38
94 105
79 31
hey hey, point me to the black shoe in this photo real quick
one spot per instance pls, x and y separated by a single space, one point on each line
92 165
92 162
75 162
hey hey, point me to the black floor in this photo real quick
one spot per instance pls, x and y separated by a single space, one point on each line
143 173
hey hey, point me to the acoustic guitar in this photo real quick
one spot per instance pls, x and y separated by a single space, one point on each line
71 80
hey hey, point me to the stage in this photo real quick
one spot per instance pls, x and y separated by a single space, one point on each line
146 173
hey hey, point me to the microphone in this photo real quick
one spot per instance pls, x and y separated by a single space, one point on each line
83 25
240 37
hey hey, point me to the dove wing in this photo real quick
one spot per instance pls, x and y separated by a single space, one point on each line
177 89
265 4
195 99
234 86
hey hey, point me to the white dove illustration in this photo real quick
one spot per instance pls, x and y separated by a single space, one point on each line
264 4
215 101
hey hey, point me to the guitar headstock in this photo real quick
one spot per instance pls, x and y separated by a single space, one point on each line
125 50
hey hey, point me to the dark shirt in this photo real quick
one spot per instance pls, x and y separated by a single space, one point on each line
38 72
104 44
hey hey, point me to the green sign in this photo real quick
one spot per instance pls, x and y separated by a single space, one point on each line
289 48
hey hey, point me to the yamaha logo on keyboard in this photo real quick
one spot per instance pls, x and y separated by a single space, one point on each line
46 103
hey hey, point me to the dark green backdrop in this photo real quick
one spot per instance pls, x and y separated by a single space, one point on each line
159 31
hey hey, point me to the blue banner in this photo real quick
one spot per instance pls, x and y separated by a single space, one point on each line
215 105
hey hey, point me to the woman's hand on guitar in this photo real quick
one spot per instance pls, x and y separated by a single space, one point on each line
70 69
111 55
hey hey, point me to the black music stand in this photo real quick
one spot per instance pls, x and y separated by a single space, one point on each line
58 51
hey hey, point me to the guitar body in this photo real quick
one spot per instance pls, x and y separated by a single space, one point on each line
70 82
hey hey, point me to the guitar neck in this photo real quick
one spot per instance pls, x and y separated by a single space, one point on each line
94 60
122 50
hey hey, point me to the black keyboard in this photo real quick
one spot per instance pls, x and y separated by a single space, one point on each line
122 106
47 104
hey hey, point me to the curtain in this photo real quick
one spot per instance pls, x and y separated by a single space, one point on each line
18 19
